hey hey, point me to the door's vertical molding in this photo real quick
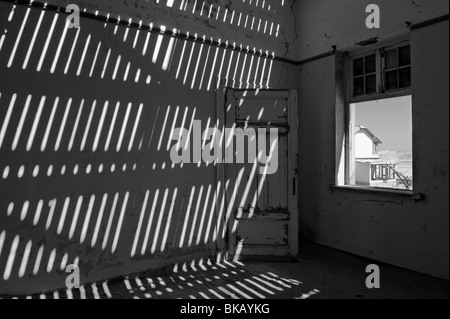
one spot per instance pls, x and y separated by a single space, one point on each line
221 175
293 174
229 107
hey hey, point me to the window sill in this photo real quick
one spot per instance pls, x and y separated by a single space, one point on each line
380 191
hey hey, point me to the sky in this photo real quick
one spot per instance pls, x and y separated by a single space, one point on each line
390 120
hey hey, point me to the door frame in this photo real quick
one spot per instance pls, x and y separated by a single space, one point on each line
225 111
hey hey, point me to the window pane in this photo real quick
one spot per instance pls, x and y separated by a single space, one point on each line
404 56
358 67
391 59
371 65
358 86
391 80
405 77
371 84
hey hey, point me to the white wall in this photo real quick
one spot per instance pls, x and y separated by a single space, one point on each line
364 146
363 174
388 228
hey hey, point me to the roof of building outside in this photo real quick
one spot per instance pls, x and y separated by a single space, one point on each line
375 139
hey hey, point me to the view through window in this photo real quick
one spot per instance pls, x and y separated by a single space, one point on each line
383 143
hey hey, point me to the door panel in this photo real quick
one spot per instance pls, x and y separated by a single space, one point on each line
273 195
258 231
273 110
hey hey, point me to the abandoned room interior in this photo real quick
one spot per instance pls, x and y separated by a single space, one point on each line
248 149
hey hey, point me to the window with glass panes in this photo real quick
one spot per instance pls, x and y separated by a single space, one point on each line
397 68
365 75
381 71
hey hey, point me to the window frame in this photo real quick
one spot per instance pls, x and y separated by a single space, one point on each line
346 164
399 67
377 73
381 93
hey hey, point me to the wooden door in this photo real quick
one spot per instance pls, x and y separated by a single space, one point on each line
262 206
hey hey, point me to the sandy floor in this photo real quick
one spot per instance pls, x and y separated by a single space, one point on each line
323 273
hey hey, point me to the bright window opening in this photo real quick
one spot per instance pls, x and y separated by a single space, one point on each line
383 144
